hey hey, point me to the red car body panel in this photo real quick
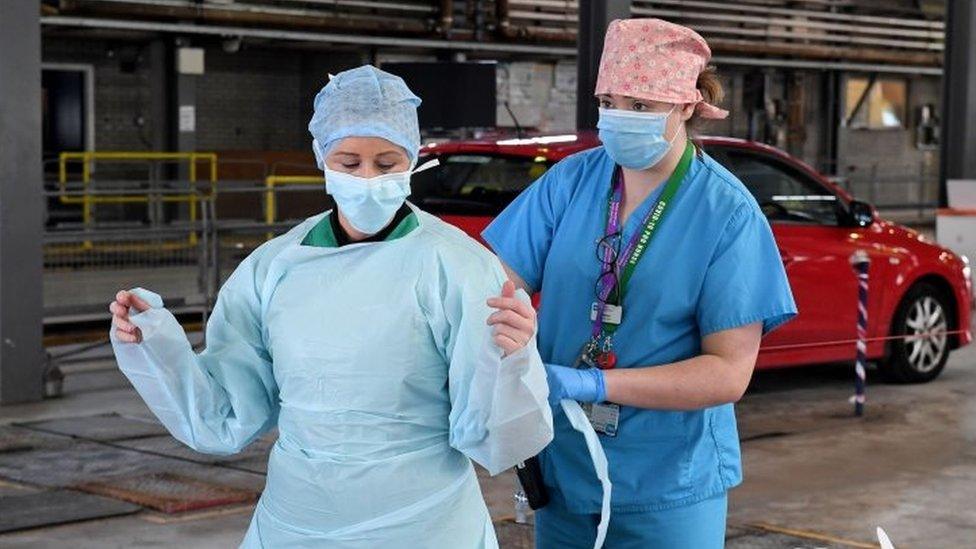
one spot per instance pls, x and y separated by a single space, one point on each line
816 258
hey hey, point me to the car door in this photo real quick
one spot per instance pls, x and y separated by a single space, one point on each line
815 243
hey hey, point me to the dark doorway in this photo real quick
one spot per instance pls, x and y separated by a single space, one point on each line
63 99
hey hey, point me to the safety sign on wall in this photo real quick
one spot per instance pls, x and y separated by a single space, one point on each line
188 118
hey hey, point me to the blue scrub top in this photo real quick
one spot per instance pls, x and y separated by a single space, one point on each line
713 265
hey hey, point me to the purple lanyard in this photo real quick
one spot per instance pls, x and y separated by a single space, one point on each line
613 226
626 262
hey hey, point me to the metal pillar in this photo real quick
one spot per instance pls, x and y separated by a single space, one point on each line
828 147
185 75
594 17
160 60
187 66
959 96
21 203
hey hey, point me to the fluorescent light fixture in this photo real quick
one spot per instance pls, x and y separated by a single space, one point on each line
804 198
546 140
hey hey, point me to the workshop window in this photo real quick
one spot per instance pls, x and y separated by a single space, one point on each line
875 103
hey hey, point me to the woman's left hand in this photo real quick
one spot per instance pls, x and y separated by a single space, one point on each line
514 321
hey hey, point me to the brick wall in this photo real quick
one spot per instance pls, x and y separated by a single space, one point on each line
120 97
258 99
261 99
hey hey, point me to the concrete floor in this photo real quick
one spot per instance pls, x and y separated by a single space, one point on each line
815 476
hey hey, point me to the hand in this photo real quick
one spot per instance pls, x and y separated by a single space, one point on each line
583 385
124 329
514 321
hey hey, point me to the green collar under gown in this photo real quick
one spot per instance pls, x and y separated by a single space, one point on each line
327 233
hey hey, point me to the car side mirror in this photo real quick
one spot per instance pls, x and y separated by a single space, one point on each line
862 214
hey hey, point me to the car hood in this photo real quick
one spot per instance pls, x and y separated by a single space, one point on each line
916 240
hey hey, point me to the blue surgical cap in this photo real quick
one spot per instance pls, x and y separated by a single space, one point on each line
366 102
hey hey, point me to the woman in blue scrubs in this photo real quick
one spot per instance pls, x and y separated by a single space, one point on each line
672 254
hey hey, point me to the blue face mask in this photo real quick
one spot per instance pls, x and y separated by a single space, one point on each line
367 203
635 140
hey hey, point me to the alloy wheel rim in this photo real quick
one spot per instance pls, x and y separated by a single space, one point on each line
927 341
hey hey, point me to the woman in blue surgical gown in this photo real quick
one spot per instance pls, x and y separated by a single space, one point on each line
361 335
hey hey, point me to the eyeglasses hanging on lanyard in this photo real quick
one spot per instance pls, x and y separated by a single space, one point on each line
607 250
618 266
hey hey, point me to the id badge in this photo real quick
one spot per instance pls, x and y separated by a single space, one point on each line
612 314
604 417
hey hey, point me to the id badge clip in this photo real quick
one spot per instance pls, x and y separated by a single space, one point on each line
604 417
612 314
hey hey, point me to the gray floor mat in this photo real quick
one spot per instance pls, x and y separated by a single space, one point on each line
169 492
107 427
22 439
91 461
250 458
34 509
754 538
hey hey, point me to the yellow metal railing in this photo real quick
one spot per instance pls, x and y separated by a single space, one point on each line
270 182
88 201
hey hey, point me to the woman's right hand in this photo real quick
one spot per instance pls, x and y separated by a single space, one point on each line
124 329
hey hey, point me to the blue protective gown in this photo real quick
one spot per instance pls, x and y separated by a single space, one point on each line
377 366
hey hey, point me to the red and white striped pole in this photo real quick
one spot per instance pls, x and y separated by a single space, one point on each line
860 262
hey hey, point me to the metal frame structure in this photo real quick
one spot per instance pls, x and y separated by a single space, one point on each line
272 182
301 36
772 33
21 209
959 97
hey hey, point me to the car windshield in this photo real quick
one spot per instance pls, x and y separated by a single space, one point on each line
471 184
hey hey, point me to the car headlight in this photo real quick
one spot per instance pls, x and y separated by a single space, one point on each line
966 270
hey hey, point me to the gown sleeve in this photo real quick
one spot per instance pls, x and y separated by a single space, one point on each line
500 415
216 401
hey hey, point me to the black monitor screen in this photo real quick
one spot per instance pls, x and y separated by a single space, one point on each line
454 95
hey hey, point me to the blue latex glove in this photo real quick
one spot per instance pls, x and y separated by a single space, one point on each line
582 385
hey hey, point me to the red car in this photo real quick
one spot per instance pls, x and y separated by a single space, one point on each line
916 287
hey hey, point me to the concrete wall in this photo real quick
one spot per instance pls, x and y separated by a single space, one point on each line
541 95
885 166
895 148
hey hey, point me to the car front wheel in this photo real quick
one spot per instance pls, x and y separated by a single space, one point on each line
921 323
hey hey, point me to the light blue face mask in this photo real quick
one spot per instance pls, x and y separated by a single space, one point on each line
367 203
635 140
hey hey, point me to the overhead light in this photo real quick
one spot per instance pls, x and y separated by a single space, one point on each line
804 198
545 140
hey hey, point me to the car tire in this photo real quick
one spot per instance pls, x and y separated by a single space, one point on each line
925 308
